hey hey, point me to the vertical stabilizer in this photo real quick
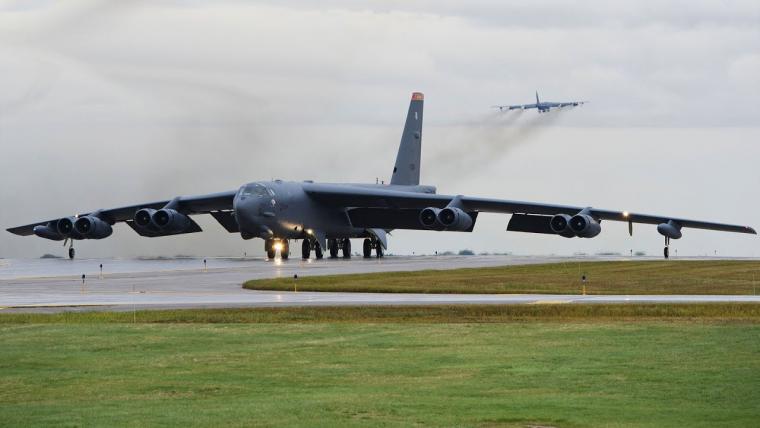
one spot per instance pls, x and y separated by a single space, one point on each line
537 101
406 171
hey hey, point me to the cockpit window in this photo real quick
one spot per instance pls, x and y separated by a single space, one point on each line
253 189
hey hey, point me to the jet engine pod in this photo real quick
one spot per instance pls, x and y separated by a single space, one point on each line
429 218
453 218
47 232
170 220
670 229
143 218
560 224
91 227
65 226
585 226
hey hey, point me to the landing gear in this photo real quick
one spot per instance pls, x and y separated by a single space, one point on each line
369 244
666 251
332 244
285 250
271 245
269 248
318 251
346 248
367 248
306 247
72 253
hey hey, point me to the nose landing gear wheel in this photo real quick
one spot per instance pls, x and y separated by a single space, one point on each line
285 251
346 248
367 248
332 245
269 248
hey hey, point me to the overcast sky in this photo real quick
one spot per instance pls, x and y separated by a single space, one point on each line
111 103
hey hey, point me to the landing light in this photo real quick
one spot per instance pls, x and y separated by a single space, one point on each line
625 214
309 231
278 246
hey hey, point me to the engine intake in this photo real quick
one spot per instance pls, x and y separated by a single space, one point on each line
144 218
560 224
170 220
65 226
585 226
429 218
453 218
91 227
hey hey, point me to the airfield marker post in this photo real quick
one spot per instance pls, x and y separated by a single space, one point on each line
101 271
295 283
82 288
205 267
583 281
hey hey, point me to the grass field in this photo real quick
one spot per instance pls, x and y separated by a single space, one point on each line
490 366
619 277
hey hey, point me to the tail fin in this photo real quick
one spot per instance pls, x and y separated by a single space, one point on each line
407 168
537 101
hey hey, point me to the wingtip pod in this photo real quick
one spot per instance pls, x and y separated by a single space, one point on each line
418 96
750 230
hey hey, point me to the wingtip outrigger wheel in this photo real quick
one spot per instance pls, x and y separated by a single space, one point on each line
666 251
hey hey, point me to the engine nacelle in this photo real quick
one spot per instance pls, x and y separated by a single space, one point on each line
91 227
560 224
169 220
144 218
670 230
585 226
65 226
453 218
48 232
429 218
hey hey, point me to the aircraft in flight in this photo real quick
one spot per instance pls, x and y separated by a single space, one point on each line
542 106
326 216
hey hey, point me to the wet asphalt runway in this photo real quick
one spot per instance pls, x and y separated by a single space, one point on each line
56 285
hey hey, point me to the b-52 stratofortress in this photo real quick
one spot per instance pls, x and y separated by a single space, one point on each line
541 106
327 216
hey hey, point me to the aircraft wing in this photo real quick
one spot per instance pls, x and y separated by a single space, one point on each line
201 204
362 198
516 107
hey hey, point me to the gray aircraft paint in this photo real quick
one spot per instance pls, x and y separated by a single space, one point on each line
316 212
406 171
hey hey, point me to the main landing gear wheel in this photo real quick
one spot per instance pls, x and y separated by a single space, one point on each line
306 249
346 248
332 245
379 250
318 251
367 247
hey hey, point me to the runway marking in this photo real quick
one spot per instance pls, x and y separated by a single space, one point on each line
550 302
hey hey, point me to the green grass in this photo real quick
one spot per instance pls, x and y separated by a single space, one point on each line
623 277
741 312
604 373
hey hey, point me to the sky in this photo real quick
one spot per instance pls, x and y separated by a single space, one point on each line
105 104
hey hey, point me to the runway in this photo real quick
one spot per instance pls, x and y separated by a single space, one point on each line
56 285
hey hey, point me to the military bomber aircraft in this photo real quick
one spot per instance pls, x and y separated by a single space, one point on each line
327 216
